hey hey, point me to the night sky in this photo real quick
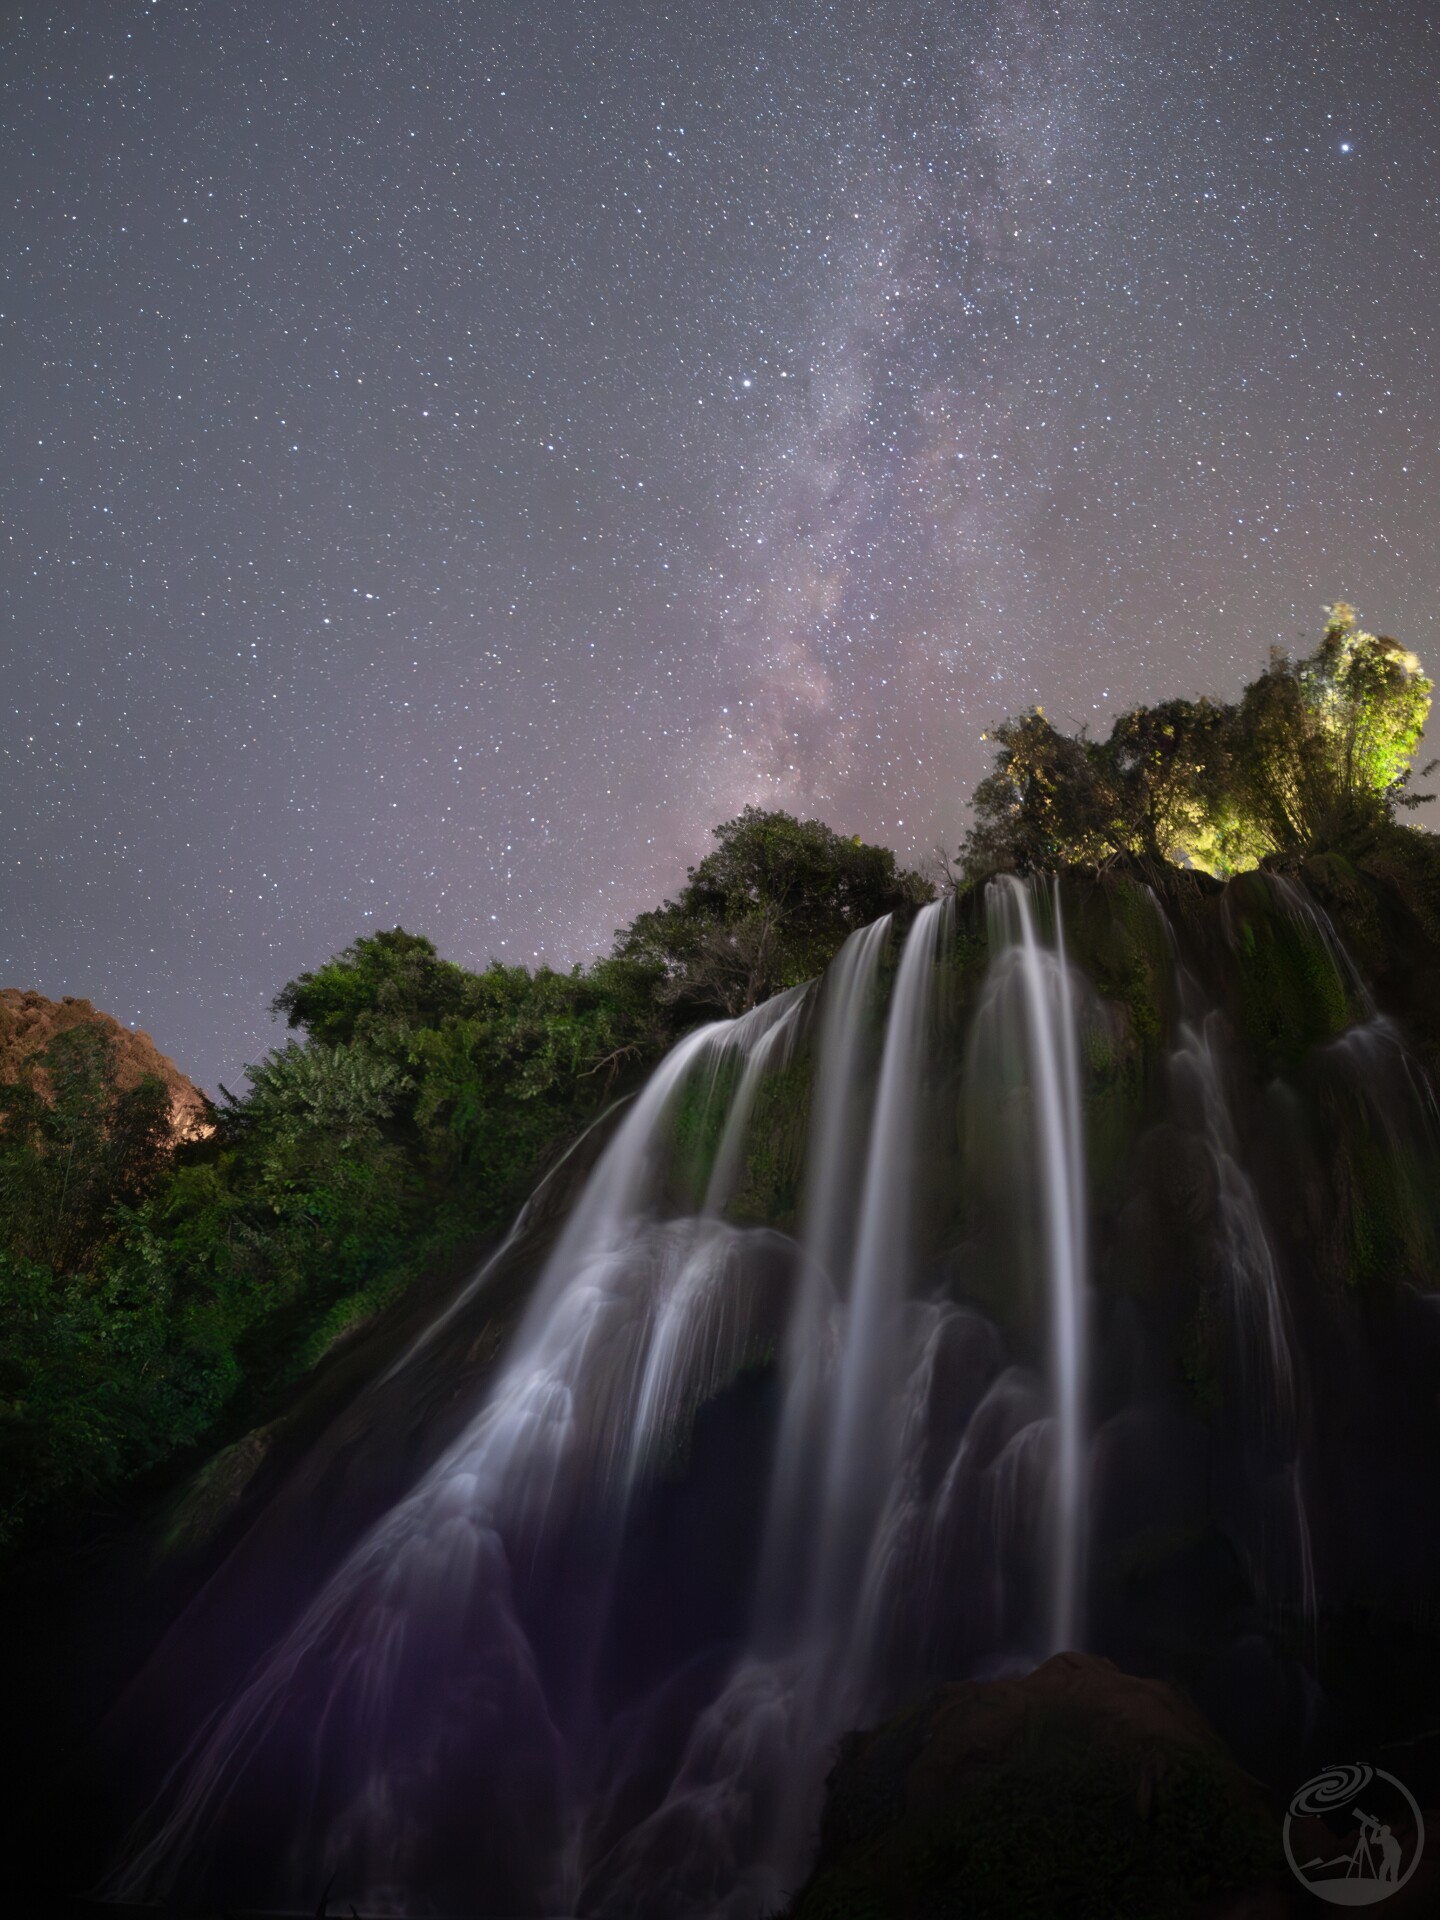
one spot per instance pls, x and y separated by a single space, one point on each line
457 454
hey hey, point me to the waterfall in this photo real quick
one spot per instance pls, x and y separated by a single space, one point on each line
1260 1315
864 1442
833 1167
707 1322
764 1043
1308 915
369 1688
1264 1338
1242 1243
512 1237
797 1417
1028 1022
747 1788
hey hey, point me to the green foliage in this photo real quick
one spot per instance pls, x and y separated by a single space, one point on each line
1164 770
1313 749
384 979
1291 991
101 1373
1041 807
147 1292
72 1146
765 910
342 1094
1325 742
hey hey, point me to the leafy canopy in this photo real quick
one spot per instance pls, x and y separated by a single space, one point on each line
73 1146
1313 748
764 910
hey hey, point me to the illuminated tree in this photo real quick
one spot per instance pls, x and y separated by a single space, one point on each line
1314 748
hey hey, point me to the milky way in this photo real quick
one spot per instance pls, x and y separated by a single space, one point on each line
460 453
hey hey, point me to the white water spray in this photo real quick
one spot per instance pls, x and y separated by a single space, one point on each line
428 1592
833 1168
1032 989
864 1438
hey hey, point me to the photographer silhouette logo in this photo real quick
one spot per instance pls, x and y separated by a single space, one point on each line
1353 1835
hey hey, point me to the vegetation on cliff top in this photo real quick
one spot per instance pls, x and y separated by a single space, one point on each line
1312 749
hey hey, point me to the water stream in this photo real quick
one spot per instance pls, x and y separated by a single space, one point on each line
1029 1023
866 1417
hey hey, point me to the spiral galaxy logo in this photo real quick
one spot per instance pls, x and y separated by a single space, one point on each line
1353 1835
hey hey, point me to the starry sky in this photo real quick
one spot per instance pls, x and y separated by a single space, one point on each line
457 453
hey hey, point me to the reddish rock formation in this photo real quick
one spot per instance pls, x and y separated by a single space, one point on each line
29 1022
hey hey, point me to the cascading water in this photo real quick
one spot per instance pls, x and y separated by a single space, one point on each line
511 1239
1368 1065
835 1162
864 1440
747 1788
706 1323
634 1321
1312 919
1264 1336
1241 1240
1029 1026
1264 1343
423 1625
766 1450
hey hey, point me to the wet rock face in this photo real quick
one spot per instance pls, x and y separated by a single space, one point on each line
29 1022
1078 1790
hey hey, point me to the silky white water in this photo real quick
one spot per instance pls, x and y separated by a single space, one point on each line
1029 1026
635 1320
400 1614
748 1785
798 1415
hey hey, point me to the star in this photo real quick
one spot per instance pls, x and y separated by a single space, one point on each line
1060 418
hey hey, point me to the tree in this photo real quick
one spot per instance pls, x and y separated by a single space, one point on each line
1043 805
1166 772
141 1296
385 979
766 909
1325 742
74 1145
78 1363
1313 748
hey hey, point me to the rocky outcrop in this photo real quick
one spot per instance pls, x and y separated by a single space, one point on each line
29 1022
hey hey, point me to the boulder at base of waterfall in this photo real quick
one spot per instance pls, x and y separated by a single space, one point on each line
1078 1790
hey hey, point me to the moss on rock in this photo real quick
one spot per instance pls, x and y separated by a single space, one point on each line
1291 992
